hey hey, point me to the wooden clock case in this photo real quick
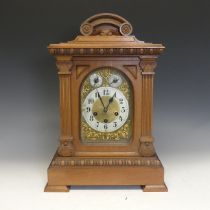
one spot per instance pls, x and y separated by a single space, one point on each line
105 42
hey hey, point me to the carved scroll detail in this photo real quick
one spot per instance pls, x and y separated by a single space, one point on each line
126 29
86 29
106 24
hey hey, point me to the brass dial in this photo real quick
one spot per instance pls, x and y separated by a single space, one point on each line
105 116
105 109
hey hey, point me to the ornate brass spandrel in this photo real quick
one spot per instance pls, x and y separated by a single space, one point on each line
123 134
124 87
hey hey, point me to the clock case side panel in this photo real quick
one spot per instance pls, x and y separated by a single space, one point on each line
82 66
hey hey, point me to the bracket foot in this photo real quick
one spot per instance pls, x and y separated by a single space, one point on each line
155 188
56 188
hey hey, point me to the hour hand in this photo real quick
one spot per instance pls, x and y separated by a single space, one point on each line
110 101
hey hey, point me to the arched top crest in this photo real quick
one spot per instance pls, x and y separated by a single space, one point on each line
106 24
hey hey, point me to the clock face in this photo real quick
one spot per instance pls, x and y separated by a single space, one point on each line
106 107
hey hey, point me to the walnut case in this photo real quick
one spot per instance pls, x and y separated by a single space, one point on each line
106 40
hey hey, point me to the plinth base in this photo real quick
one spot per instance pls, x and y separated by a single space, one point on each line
64 172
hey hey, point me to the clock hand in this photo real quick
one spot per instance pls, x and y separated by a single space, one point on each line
114 81
100 98
110 101
96 80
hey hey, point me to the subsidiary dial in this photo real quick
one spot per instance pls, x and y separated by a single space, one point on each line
96 80
115 81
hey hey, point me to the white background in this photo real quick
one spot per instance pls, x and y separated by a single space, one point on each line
187 175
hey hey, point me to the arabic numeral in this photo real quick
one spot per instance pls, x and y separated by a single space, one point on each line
105 126
90 100
114 124
97 124
106 92
121 100
91 117
120 117
123 109
87 109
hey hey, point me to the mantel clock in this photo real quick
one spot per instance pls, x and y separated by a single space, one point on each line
106 98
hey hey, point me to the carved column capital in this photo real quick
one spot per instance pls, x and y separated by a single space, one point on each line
64 64
148 64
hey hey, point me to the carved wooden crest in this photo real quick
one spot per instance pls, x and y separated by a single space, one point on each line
106 24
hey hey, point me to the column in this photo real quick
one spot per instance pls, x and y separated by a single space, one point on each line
146 147
64 65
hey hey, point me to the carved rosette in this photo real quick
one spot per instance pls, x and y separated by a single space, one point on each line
126 29
147 65
86 29
64 65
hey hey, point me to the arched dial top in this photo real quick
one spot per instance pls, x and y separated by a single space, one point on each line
106 24
106 107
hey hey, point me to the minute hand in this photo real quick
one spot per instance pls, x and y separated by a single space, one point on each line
101 99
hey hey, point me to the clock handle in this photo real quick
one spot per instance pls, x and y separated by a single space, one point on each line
106 24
